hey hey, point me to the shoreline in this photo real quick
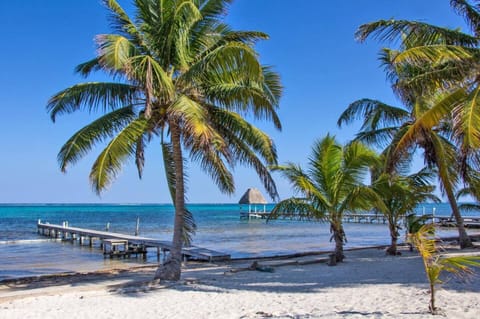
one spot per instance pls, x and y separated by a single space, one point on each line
401 246
369 283
126 267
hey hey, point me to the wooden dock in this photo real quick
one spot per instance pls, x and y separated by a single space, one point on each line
363 218
468 221
115 244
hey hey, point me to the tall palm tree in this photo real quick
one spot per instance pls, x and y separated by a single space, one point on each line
401 195
380 125
424 122
183 75
446 60
331 186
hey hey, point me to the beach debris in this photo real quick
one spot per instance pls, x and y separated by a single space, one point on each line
264 314
254 266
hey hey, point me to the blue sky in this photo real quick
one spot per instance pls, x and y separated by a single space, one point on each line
311 45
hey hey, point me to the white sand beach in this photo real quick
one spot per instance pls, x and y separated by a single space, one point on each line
368 284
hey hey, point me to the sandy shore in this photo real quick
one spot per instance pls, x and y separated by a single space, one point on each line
368 284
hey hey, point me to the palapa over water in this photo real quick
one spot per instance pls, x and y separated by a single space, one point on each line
253 197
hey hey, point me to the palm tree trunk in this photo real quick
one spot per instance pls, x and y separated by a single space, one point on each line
171 269
338 236
392 250
431 305
463 238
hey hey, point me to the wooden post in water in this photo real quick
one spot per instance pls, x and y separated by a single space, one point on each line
137 227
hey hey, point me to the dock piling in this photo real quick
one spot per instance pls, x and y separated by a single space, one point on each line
137 227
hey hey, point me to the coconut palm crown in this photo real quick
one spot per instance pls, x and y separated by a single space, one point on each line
180 74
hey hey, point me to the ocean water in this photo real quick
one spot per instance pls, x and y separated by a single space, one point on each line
25 253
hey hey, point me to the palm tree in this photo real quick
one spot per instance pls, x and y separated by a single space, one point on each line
182 75
401 195
416 132
435 264
424 122
331 186
444 60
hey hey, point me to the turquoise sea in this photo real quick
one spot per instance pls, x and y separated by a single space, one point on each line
24 253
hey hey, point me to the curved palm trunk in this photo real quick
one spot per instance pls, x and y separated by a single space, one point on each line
463 238
171 269
338 236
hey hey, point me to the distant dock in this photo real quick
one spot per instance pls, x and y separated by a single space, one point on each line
443 221
115 244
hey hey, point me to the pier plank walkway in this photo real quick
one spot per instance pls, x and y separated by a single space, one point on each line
90 234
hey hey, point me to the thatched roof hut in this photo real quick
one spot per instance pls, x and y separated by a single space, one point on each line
252 196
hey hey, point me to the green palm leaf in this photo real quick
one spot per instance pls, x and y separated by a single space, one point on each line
413 32
92 96
469 12
121 147
466 119
101 129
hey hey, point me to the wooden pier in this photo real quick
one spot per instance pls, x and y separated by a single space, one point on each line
468 221
363 218
115 244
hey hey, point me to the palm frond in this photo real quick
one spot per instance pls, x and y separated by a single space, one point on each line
469 207
378 138
296 209
140 156
92 96
196 124
413 32
213 9
109 163
88 67
470 13
101 129
211 162
246 144
114 52
425 121
298 178
374 113
121 23
189 228
466 117
435 55
235 129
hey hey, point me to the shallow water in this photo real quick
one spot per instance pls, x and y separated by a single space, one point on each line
24 253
